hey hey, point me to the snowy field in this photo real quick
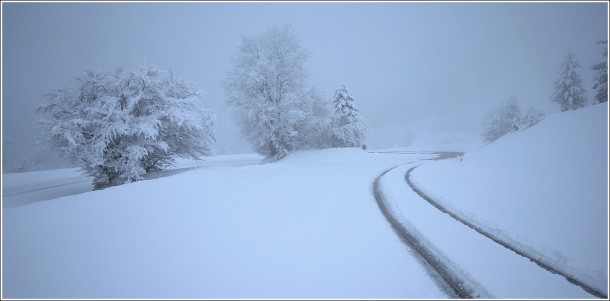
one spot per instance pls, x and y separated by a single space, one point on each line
308 226
304 227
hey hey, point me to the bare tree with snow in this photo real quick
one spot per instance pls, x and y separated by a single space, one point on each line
266 90
349 127
569 91
600 84
118 126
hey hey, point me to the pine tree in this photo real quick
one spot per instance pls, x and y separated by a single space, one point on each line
349 128
601 77
569 91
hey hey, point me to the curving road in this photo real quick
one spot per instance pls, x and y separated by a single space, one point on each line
440 268
449 282
499 240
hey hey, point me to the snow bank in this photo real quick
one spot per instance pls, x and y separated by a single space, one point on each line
543 188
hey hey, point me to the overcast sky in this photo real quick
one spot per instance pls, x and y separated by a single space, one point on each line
411 67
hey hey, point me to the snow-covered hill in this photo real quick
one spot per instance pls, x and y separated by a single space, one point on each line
544 189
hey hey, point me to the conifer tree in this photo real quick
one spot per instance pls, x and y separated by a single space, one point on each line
349 128
569 91
600 84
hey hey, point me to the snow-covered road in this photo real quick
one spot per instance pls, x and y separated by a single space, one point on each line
511 245
454 285
467 261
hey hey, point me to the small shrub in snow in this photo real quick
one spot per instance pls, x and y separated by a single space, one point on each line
502 120
118 126
314 132
532 117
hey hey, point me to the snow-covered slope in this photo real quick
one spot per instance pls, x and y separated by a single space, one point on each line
544 189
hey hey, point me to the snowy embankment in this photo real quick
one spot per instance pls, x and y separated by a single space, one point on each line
543 189
20 189
304 227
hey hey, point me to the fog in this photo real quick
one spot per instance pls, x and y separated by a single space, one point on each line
414 69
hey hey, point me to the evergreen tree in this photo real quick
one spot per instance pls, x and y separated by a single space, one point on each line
569 91
349 128
601 77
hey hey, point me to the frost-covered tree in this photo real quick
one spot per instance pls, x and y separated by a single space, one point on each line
120 125
315 131
349 128
532 117
502 120
600 82
569 91
266 89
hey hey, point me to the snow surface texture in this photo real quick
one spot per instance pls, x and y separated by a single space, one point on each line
543 188
304 227
19 189
491 270
308 226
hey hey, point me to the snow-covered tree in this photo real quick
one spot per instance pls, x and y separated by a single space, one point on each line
118 126
569 91
349 128
315 131
532 117
265 90
502 120
600 82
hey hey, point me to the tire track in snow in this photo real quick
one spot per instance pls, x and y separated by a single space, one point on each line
41 185
53 183
501 241
441 274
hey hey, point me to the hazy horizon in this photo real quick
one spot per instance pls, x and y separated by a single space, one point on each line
413 68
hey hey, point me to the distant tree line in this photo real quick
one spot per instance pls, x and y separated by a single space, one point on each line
568 93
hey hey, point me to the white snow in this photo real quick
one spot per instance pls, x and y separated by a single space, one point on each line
292 229
493 271
544 189
308 226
